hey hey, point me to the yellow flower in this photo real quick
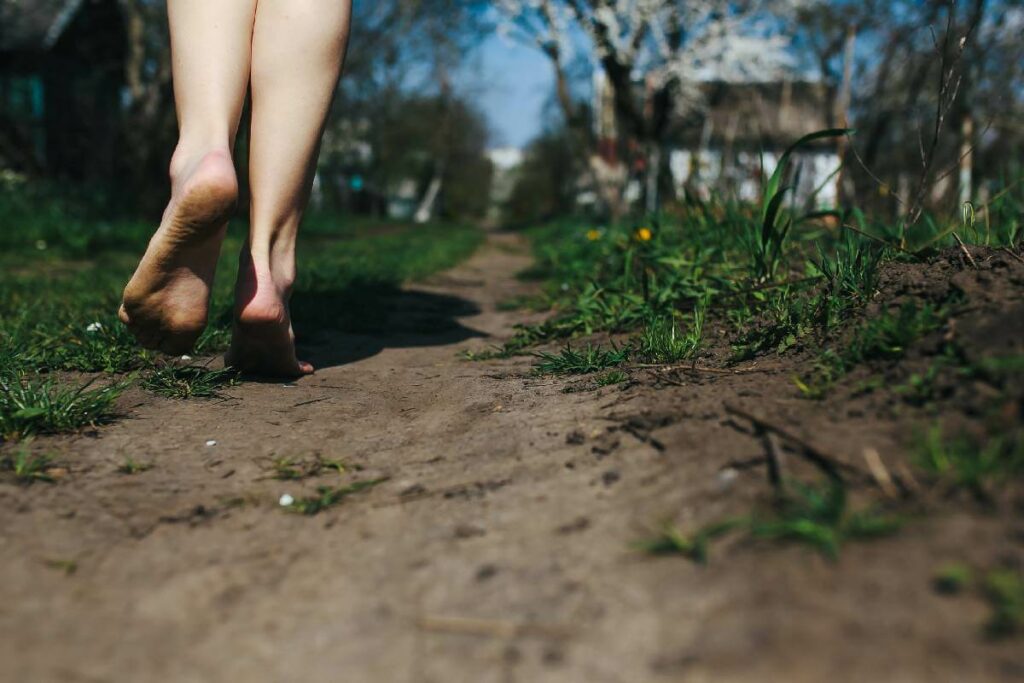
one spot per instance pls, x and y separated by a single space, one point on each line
884 190
644 234
593 235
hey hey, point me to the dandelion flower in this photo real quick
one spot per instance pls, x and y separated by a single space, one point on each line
644 234
286 500
593 235
93 327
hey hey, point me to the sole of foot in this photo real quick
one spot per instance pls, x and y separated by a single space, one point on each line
262 342
166 302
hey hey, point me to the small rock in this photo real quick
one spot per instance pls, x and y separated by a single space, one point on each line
211 442
286 500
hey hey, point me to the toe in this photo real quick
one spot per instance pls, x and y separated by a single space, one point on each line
122 314
305 368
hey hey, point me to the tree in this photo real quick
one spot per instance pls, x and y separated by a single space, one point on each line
654 53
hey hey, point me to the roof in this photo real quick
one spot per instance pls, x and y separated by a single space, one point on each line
34 25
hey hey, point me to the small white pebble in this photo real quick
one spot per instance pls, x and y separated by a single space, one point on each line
186 357
289 385
211 442
41 245
286 500
93 327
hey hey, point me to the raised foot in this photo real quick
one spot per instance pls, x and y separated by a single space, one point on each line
166 302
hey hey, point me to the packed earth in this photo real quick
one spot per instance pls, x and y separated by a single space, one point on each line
437 504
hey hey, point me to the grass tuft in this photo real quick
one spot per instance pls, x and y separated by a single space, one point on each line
31 405
572 362
329 496
189 381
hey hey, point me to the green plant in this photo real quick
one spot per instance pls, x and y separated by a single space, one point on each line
819 516
35 405
131 466
572 362
612 377
671 541
27 467
976 464
952 579
1004 589
662 342
293 469
189 381
328 496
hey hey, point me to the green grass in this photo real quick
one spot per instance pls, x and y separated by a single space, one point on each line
661 340
611 378
26 467
819 516
64 263
296 469
571 361
975 463
886 337
189 381
814 515
1004 590
130 466
34 404
329 496
671 541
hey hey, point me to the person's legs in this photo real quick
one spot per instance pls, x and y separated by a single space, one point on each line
167 300
297 50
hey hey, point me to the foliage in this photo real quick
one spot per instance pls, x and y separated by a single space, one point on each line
572 362
328 496
188 381
34 404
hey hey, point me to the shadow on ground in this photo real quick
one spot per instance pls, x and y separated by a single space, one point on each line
343 325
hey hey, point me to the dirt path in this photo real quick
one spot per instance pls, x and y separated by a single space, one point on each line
497 550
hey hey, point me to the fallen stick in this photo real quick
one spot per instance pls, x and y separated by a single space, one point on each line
830 464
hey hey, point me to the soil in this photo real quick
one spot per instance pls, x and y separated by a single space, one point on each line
501 547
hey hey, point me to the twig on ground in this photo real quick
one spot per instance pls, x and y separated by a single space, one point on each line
963 248
776 461
828 463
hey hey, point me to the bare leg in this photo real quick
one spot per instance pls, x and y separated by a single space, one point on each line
166 302
297 50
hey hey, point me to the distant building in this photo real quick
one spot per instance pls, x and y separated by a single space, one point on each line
61 77
728 144
742 132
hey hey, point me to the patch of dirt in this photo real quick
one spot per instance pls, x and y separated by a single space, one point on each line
500 548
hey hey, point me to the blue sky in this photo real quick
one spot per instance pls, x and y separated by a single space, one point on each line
514 83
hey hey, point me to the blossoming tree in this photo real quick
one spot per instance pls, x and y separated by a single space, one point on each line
654 53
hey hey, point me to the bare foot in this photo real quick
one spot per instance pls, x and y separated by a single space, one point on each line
263 342
167 300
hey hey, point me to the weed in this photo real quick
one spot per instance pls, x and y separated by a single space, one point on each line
1004 589
612 377
970 462
189 381
36 405
27 467
131 466
671 541
952 579
662 342
573 362
818 516
292 469
328 496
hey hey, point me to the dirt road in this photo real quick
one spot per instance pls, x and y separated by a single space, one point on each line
498 549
